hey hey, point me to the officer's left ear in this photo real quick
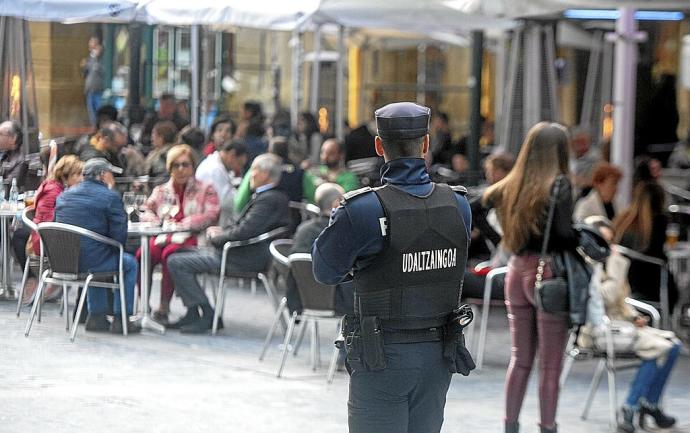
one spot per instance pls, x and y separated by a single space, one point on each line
378 146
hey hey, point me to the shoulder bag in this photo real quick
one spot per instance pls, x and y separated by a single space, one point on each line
551 295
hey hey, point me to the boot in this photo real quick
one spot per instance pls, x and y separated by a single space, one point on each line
201 325
661 419
191 317
97 323
512 427
116 326
626 418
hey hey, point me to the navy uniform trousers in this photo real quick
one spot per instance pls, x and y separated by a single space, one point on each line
408 396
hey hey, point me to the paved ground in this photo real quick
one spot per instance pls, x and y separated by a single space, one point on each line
175 383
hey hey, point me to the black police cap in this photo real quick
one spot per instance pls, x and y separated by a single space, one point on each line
402 120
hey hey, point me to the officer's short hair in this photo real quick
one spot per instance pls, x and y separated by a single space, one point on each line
402 147
270 163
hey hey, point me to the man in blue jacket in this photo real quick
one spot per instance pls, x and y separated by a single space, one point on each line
405 245
92 205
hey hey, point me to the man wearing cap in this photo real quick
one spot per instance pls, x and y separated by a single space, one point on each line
405 245
93 205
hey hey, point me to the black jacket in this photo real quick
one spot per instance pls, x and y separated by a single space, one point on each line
266 211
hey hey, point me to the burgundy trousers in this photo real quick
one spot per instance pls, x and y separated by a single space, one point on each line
532 331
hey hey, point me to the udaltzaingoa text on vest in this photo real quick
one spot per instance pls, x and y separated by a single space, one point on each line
429 260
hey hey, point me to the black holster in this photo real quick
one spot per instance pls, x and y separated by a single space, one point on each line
454 349
363 341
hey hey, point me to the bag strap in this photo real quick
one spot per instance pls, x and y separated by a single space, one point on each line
547 231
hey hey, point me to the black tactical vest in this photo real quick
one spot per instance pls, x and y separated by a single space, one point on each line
415 281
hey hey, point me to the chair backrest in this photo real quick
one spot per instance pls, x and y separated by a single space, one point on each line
314 295
280 248
28 218
61 246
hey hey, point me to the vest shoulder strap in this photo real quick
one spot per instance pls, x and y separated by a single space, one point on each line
459 189
357 192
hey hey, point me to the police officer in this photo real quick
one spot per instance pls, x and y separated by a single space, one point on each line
405 246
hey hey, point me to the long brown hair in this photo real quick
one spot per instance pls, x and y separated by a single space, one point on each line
637 219
521 197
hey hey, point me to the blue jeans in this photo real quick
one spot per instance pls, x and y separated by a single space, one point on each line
97 297
93 103
650 379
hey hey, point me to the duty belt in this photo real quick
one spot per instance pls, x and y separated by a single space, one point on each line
397 336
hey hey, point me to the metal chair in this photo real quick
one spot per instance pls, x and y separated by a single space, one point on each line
61 244
220 293
663 303
27 218
485 303
306 210
318 302
608 360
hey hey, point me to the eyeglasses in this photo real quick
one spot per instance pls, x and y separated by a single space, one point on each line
185 164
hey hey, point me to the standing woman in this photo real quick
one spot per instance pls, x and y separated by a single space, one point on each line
522 200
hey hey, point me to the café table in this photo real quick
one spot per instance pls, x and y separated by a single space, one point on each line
7 293
145 231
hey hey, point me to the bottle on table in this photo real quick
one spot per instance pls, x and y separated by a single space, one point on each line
2 192
14 195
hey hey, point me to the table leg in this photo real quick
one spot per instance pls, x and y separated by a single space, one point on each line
7 291
146 321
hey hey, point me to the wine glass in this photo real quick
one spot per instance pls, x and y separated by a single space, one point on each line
139 202
128 199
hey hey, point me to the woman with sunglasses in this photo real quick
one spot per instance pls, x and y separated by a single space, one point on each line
191 204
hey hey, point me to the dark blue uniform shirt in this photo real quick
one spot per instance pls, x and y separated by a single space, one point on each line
354 236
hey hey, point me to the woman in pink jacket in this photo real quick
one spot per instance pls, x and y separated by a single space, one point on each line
198 209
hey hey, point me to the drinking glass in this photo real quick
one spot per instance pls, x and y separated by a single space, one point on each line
139 202
672 233
29 197
128 199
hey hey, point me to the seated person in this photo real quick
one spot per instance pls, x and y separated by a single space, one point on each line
332 167
198 210
599 201
224 169
67 173
267 210
162 139
328 196
294 182
13 165
104 145
642 227
658 349
222 131
94 206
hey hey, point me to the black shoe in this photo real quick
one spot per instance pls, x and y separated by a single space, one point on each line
661 419
549 430
116 326
191 317
97 323
626 420
200 326
512 427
